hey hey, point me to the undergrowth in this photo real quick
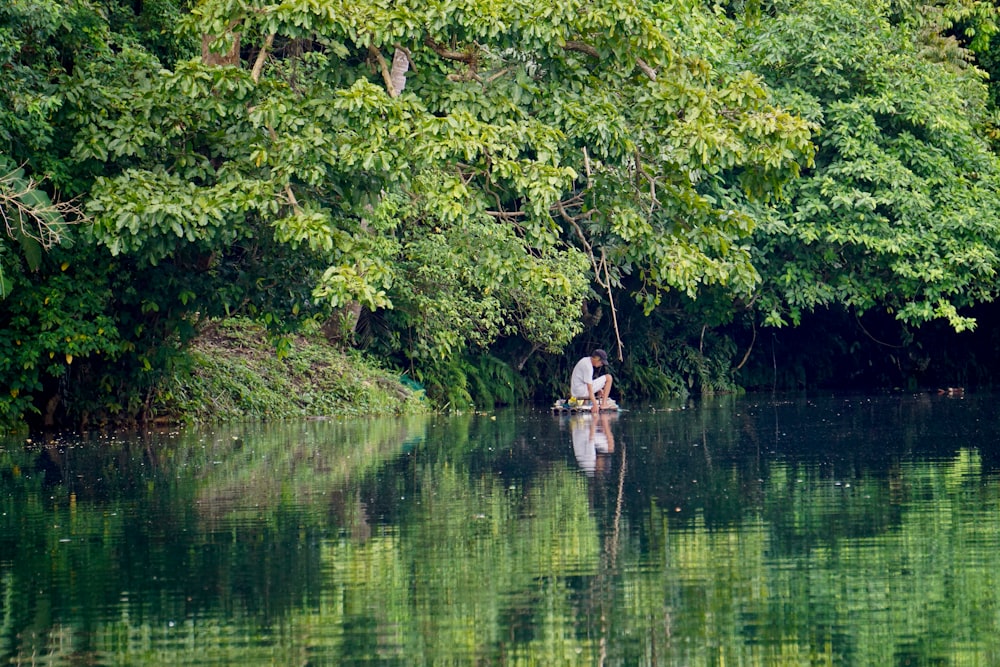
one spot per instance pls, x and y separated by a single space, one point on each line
236 372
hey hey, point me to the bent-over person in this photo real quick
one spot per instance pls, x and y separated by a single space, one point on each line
584 385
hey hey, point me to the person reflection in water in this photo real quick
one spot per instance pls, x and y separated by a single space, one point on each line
593 441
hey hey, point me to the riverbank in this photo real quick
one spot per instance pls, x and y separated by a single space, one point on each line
237 372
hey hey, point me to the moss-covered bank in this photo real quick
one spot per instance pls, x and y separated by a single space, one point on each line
237 371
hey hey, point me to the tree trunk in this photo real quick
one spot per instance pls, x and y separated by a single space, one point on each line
212 58
400 65
343 324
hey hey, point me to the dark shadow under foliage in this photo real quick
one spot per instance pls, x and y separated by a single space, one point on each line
834 349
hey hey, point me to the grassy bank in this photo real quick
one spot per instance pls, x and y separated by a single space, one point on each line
236 372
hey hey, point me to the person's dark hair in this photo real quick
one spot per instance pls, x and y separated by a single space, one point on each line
600 354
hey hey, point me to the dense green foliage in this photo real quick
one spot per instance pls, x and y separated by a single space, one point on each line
469 189
900 211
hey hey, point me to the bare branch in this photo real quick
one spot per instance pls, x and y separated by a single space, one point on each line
880 342
394 76
575 200
258 65
582 47
646 69
497 75
42 222
579 232
384 67
559 206
753 340
534 348
604 282
611 301
654 202
507 215
468 56
291 197
462 77
466 174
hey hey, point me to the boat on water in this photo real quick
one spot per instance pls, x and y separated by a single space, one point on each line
571 405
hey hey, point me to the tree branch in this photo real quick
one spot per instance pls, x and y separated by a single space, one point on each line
534 348
468 56
258 64
507 215
614 311
292 201
467 75
646 69
582 47
746 356
384 67
42 222
640 171
604 282
497 75
231 57
579 232
291 197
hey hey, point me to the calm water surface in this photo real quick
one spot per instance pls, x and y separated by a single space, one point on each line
735 531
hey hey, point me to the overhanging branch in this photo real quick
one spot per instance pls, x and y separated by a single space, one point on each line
646 69
384 68
604 282
587 49
258 65
468 56
582 47
29 216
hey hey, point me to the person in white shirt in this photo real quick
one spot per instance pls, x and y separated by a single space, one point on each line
584 385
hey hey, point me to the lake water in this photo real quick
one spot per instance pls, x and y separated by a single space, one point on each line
821 530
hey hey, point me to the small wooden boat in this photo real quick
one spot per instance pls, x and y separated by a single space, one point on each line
573 405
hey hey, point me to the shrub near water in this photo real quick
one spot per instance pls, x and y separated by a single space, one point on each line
236 371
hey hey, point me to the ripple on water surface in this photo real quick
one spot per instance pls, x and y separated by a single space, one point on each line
850 532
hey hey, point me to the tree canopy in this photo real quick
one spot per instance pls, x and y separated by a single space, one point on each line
458 161
900 211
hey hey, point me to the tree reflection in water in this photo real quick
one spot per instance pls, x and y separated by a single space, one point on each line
758 532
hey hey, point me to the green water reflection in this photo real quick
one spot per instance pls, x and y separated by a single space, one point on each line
844 531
